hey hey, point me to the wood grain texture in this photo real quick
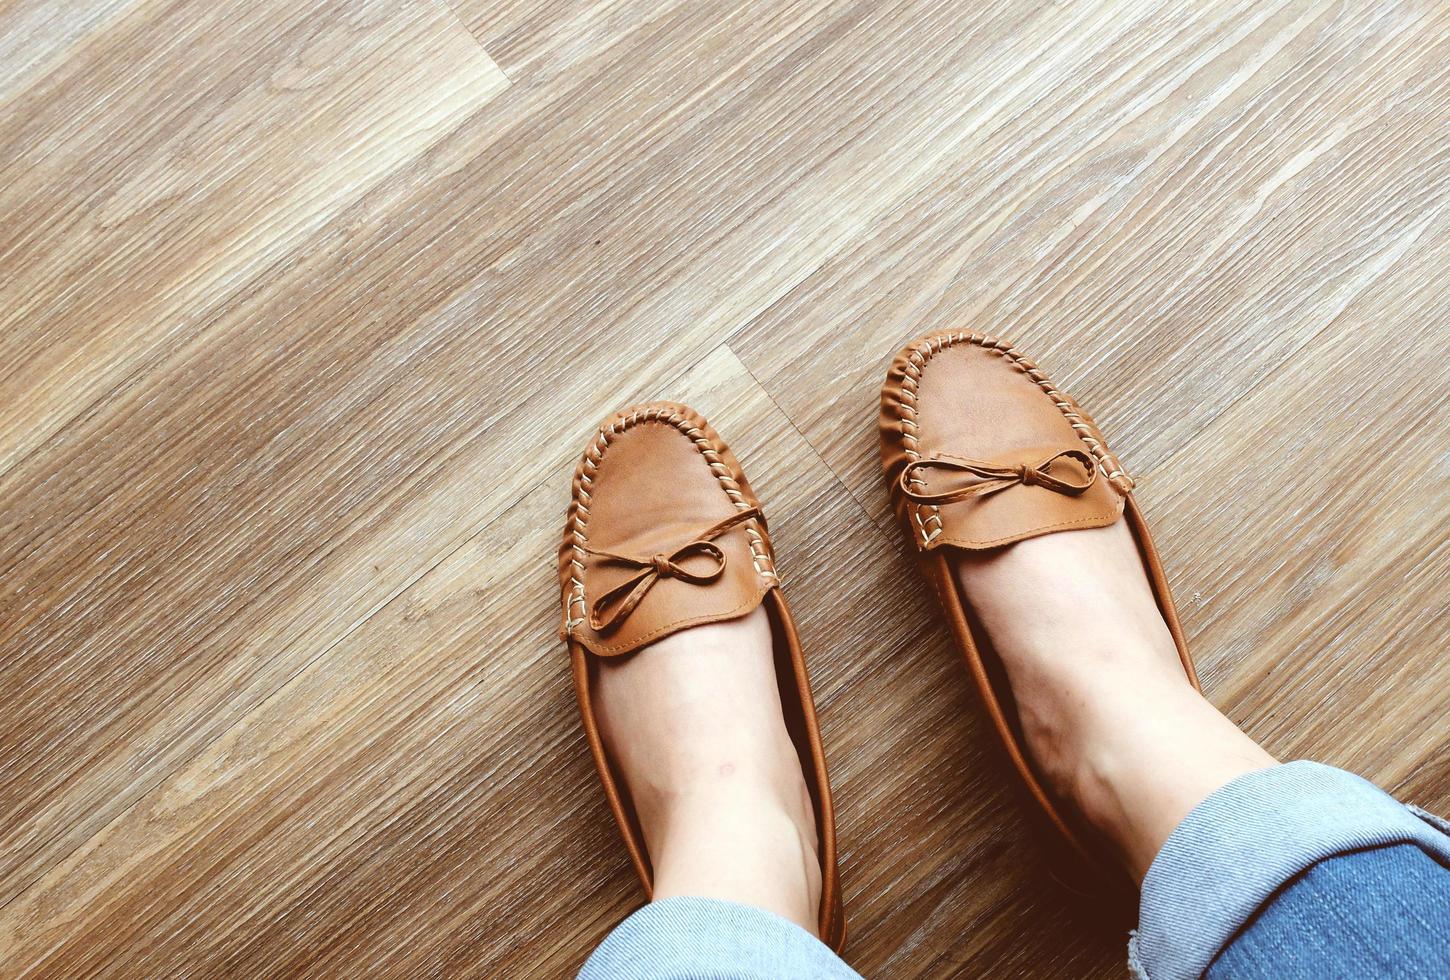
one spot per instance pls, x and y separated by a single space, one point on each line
197 146
307 309
38 33
535 41
181 211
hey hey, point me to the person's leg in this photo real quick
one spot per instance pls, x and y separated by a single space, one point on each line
695 725
1107 713
1211 826
676 628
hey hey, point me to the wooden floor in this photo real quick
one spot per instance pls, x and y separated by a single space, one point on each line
306 309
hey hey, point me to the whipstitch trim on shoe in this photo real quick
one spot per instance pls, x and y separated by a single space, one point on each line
924 350
760 555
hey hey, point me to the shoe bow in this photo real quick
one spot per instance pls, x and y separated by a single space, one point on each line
611 609
988 478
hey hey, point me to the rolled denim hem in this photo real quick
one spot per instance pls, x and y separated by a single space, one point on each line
707 939
1243 843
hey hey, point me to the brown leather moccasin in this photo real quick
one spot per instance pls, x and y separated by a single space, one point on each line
664 533
982 450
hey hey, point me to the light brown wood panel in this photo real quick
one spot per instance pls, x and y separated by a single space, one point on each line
1160 236
197 145
200 165
35 34
1311 551
350 819
536 41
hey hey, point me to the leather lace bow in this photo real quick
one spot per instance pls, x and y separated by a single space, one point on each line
988 478
610 609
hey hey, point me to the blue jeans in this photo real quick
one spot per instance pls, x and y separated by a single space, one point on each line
1296 871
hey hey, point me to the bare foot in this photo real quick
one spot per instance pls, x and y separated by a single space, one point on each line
694 724
1107 712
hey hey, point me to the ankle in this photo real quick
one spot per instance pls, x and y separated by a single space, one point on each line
763 805
1071 701
740 842
1142 758
719 765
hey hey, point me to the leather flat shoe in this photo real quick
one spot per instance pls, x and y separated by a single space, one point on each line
664 533
982 450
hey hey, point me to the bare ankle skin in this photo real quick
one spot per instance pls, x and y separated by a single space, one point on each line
694 723
1107 712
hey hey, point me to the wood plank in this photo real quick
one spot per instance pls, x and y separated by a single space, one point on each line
537 41
1160 236
197 145
36 34
198 148
1313 552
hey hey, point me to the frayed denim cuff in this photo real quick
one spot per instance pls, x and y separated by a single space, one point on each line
1244 842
